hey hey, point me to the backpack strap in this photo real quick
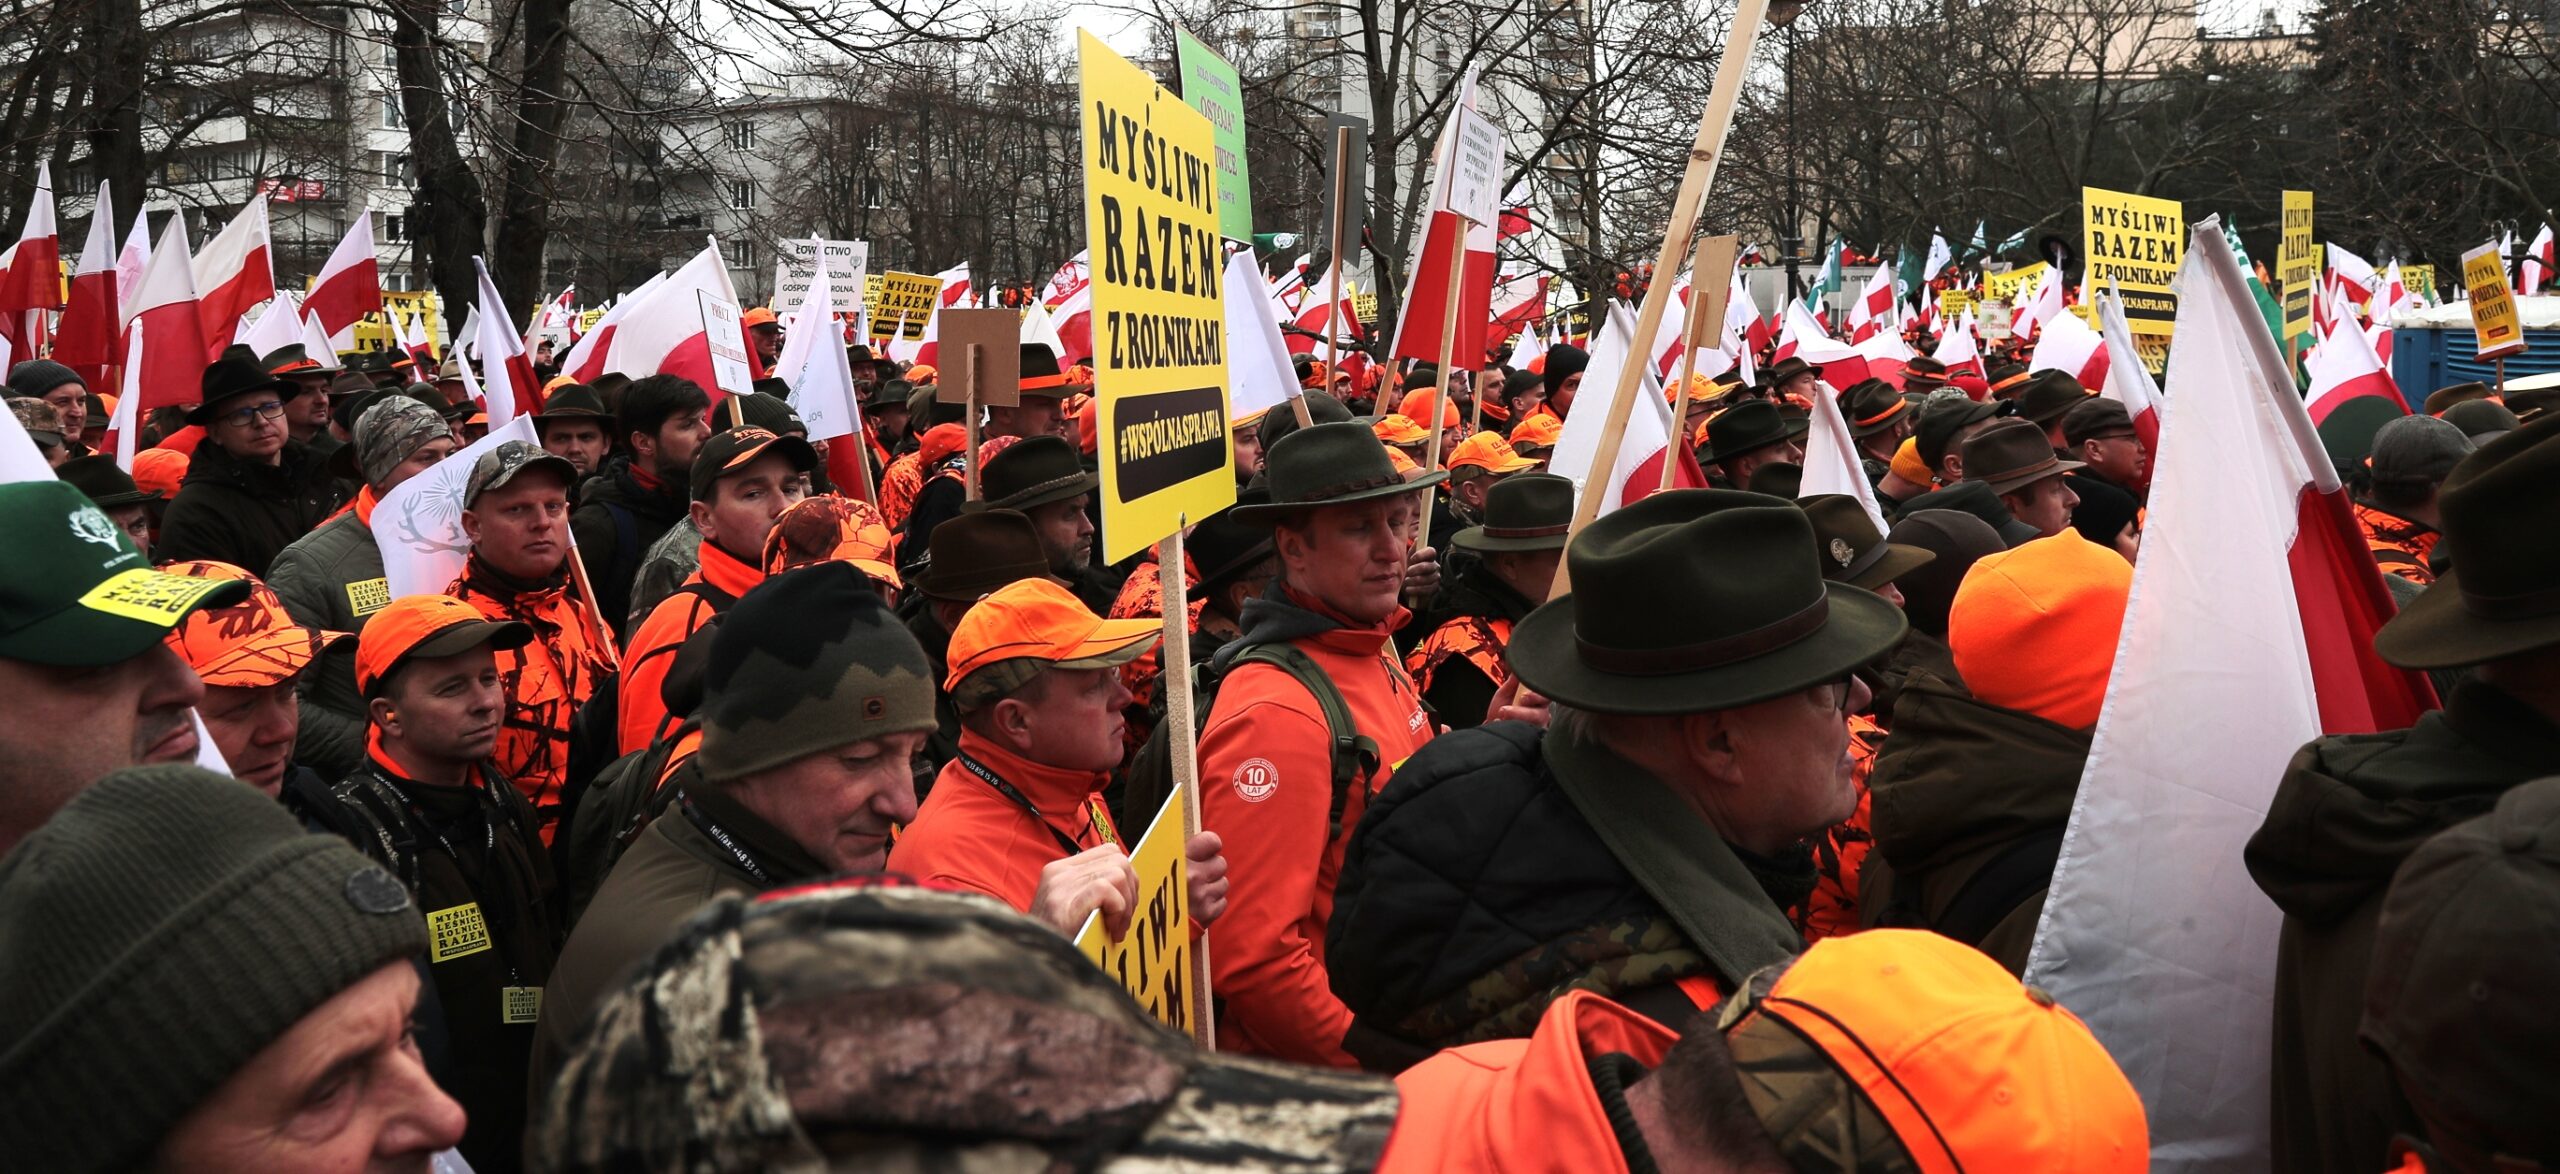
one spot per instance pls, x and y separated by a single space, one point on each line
373 817
2003 883
1355 755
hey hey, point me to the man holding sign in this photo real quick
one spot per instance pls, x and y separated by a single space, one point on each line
1036 678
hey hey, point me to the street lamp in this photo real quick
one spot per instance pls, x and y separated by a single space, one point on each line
1782 15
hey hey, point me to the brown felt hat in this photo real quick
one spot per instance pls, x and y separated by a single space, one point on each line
1748 427
1034 472
1329 464
1853 550
973 554
2049 395
2501 594
2445 397
1871 405
1527 511
2010 454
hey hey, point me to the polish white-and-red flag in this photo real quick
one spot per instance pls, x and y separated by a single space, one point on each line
33 280
585 361
1077 273
2539 264
1316 321
506 371
1074 318
1447 238
2128 382
1873 310
2343 368
350 284
2069 346
233 273
130 259
2041 306
168 315
1960 349
2248 632
661 333
417 344
955 284
1515 212
1519 302
1526 348
1647 441
85 341
2351 277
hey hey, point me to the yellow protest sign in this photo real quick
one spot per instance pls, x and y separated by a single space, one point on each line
2297 265
2135 243
871 294
2154 350
2016 283
2420 280
1159 327
1952 303
1153 960
906 304
374 332
2494 324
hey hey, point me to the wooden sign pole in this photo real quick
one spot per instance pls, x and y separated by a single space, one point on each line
1184 743
1704 152
1704 307
1448 341
969 461
1332 272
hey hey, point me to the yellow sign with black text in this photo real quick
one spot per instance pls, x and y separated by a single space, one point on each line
906 304
1159 327
2495 325
2015 284
1152 961
2134 242
1952 303
2297 264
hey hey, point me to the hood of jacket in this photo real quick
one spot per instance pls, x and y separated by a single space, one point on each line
1959 776
214 465
2351 808
1281 615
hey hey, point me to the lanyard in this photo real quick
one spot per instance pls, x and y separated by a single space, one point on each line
1066 843
499 917
719 835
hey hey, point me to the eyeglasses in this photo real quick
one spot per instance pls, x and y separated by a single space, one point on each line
244 417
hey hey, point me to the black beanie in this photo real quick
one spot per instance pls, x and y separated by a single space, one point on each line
809 660
35 377
160 931
1563 362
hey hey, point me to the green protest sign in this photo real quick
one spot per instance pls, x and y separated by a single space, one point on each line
1210 86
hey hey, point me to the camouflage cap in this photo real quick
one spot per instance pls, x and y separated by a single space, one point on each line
389 431
872 1023
502 464
805 662
42 422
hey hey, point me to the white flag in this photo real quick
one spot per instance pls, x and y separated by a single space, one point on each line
1260 376
419 524
1831 457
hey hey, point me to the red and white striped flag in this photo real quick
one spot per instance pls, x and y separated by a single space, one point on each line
1647 440
1447 237
2069 346
31 281
2539 263
661 333
2128 382
2343 367
955 284
585 361
350 284
2248 632
130 259
506 370
2041 306
167 314
86 338
1873 311
233 273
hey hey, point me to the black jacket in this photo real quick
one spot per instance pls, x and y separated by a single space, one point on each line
1475 892
243 512
2350 810
612 506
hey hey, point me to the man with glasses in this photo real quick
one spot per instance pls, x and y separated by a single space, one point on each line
250 489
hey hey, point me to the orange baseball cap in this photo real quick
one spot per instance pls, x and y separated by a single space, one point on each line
1417 408
2033 628
1029 626
1399 429
759 316
828 528
1538 431
1405 466
250 644
1491 453
557 382
920 374
160 470
427 625
1967 1068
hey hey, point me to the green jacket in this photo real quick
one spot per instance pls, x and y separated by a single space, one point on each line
1959 784
331 579
2350 809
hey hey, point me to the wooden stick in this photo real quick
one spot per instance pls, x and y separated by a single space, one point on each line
737 413
1704 152
969 462
1184 743
587 592
1298 405
1333 266
1448 340
1704 306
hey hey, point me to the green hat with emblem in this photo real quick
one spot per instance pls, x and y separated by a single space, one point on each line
75 593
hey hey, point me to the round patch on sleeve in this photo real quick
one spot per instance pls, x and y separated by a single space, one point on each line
1256 779
372 890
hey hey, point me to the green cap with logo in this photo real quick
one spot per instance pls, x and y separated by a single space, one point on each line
74 593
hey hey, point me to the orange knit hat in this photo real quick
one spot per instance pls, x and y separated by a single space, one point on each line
1908 465
2034 628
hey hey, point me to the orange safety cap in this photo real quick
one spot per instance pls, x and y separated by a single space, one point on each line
251 644
921 374
427 625
1417 408
1399 428
1541 430
2034 628
828 528
160 470
1970 1068
1037 619
759 316
1491 453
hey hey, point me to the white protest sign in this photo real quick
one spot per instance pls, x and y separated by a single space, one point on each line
728 343
848 265
1475 168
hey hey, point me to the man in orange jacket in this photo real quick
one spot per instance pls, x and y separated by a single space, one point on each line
1884 1042
1272 783
1035 676
742 480
515 510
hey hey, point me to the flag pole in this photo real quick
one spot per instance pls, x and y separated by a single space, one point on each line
1332 274
969 462
1704 305
1448 341
1183 742
1704 153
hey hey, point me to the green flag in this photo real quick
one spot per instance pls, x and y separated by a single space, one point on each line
1826 281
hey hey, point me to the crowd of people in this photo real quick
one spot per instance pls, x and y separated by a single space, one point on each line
719 817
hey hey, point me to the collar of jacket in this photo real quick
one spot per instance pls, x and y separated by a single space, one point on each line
363 505
2492 719
1059 793
1477 591
1677 856
780 855
480 578
481 774
723 570
1284 614
1960 775
212 462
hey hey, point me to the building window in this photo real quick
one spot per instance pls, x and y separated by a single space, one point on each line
396 281
395 227
741 136
742 194
391 117
741 254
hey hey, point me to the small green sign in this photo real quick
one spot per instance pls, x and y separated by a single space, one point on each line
1210 86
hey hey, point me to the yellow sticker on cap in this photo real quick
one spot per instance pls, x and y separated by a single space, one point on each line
456 932
149 596
367 596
